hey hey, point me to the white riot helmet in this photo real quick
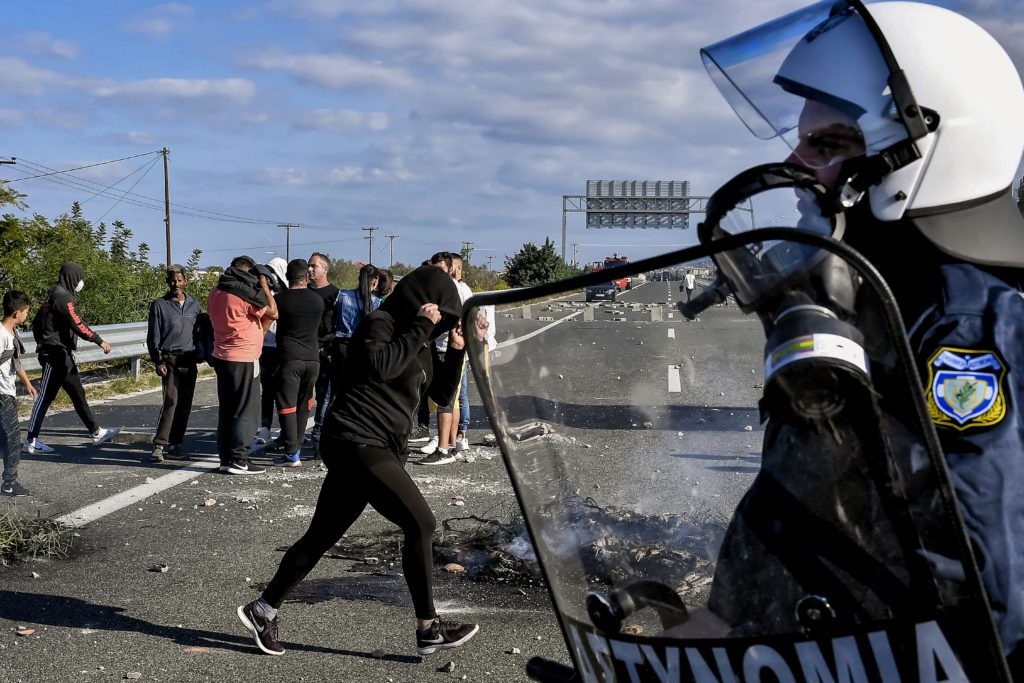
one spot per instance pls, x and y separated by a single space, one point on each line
919 108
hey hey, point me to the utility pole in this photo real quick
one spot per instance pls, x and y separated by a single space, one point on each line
575 263
167 205
467 250
392 238
489 259
370 230
12 160
288 238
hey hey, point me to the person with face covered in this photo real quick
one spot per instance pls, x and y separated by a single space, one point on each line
389 357
56 328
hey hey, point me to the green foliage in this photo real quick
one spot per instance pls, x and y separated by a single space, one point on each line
535 265
480 279
400 269
344 274
119 283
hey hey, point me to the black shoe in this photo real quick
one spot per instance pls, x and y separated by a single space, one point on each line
14 489
175 453
438 457
263 630
441 635
420 434
243 467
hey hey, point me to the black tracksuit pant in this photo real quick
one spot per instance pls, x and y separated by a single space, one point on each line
357 476
59 372
179 386
268 385
296 380
238 409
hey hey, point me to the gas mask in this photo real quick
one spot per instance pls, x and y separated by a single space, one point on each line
805 297
80 286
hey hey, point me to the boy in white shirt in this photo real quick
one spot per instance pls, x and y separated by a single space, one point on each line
16 305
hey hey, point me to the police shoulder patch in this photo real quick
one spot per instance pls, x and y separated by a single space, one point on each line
966 388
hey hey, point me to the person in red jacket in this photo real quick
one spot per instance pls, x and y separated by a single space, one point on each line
56 329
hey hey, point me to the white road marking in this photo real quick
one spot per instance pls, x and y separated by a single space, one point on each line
674 385
671 315
516 340
90 513
671 333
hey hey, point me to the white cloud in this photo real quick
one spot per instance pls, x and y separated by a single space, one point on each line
234 90
289 177
342 120
330 9
337 71
19 77
158 21
11 118
41 43
154 27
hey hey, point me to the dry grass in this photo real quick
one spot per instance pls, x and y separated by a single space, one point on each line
31 537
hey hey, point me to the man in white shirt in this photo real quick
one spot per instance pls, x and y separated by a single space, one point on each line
452 420
689 281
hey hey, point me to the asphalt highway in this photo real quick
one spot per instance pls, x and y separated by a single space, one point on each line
653 414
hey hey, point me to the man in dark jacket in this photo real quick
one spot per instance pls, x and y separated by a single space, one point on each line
171 344
56 327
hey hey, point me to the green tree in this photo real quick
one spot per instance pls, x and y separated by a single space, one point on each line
535 265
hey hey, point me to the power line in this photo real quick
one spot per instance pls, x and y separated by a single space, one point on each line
79 168
148 169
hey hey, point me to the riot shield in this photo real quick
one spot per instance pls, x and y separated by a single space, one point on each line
728 499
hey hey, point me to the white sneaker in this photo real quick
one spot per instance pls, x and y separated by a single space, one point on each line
461 445
104 435
430 447
35 446
262 436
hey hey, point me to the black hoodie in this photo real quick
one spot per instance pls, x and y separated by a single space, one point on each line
389 359
57 321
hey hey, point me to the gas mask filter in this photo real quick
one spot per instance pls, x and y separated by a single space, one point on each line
80 286
804 295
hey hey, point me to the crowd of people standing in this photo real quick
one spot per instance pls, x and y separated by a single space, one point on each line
282 339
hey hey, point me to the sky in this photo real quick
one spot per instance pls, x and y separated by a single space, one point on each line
439 122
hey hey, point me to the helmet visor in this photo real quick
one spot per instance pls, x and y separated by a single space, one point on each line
815 77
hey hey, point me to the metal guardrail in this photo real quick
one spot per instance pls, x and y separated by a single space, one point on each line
127 340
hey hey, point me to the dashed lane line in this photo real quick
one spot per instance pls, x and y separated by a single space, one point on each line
671 333
674 385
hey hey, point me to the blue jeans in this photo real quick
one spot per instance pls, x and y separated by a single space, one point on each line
464 402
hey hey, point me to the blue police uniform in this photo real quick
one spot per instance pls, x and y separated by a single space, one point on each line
970 343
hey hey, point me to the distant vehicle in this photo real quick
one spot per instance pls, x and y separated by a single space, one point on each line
641 278
606 291
616 260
